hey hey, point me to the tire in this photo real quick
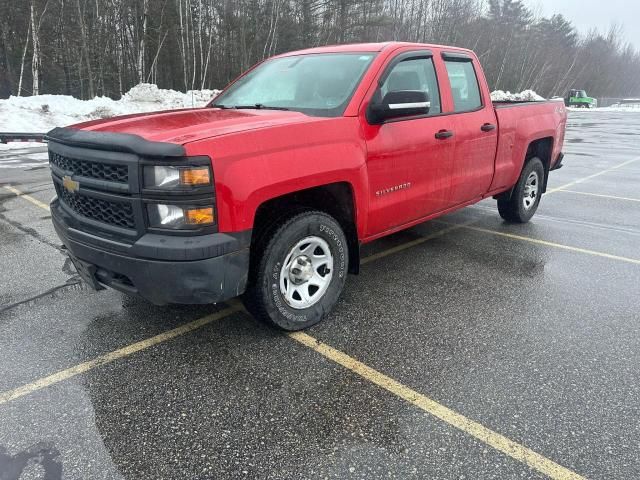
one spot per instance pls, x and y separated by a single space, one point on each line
298 271
525 198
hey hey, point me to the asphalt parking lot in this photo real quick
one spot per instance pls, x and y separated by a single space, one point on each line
466 348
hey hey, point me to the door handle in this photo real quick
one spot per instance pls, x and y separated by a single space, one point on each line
444 134
487 127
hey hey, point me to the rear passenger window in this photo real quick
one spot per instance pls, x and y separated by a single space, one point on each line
415 74
464 86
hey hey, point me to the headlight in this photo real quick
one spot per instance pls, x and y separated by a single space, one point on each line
177 217
175 177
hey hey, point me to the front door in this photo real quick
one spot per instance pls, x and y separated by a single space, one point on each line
409 168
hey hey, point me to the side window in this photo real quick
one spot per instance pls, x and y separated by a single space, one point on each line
464 86
415 74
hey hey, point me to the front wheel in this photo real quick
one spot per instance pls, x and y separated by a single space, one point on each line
298 272
525 198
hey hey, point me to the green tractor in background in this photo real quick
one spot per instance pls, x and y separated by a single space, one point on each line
579 98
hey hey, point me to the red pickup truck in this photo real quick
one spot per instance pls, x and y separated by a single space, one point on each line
270 190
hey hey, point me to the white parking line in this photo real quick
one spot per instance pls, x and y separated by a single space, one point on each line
584 179
612 197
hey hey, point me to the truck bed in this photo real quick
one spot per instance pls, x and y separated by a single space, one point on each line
519 127
513 103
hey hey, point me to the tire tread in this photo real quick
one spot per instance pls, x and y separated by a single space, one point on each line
252 297
510 208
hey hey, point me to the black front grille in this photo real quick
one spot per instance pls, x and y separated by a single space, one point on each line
85 168
112 213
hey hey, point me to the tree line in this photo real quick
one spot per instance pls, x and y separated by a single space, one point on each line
86 48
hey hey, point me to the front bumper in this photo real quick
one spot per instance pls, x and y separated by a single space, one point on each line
160 268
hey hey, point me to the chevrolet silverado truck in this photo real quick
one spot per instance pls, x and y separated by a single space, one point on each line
271 189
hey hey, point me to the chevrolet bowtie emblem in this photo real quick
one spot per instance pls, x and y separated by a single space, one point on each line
71 185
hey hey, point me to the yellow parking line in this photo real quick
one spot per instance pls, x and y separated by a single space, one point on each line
116 354
468 426
451 417
412 243
547 243
602 172
485 435
28 198
613 197
236 306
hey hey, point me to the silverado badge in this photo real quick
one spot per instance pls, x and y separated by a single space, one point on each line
71 185
395 188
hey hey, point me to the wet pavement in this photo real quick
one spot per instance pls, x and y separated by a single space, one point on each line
532 331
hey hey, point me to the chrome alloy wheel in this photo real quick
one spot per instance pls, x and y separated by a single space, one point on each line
531 188
306 272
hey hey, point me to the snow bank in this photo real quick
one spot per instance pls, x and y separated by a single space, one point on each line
19 145
526 96
41 113
622 107
148 93
628 108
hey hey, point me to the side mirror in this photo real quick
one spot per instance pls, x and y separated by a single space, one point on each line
402 103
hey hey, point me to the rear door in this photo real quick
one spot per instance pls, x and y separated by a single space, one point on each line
475 126
409 168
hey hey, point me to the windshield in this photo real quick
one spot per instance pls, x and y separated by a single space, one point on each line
316 84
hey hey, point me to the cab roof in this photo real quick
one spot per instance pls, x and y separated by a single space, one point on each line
367 47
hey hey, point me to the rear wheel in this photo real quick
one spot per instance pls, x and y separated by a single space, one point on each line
525 198
298 271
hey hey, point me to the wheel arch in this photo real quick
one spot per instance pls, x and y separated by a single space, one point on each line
335 199
541 148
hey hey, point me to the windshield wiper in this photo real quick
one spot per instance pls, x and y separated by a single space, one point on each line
256 106
259 106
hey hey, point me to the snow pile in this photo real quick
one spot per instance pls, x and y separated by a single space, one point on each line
41 113
148 93
526 96
628 108
624 107
20 145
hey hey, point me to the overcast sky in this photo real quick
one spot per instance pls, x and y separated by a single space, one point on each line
586 14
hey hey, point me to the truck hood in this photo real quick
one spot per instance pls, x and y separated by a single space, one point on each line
189 125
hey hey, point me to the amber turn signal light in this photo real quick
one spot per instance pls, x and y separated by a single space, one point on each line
195 176
199 216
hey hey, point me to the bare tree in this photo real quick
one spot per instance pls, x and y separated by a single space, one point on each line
24 55
85 48
143 36
89 47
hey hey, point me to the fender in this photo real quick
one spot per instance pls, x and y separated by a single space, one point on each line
253 167
519 128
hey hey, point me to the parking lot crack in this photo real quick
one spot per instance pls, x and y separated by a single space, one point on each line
72 282
29 231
